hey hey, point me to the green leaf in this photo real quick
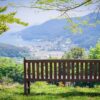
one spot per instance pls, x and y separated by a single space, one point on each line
2 9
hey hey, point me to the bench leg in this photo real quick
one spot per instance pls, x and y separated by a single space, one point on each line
26 87
28 83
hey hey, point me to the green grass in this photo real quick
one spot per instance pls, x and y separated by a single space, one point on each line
43 91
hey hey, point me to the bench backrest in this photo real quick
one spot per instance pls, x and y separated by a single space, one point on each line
62 70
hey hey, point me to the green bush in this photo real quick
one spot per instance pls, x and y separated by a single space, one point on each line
9 68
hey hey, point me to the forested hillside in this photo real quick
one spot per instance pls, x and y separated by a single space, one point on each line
12 51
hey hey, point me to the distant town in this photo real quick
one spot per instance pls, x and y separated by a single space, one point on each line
44 49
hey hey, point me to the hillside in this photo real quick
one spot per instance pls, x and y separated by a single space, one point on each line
53 33
12 51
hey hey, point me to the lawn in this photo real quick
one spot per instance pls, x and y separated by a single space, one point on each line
44 91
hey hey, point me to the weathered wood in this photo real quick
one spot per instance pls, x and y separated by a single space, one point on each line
73 70
81 71
51 70
42 70
55 70
60 70
33 70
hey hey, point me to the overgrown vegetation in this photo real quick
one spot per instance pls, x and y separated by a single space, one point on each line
44 91
10 71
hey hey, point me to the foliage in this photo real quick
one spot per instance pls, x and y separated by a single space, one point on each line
95 52
9 18
9 69
75 53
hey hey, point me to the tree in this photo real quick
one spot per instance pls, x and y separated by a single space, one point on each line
9 18
95 52
59 5
75 53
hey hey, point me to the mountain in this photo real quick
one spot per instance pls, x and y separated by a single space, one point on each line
54 36
13 51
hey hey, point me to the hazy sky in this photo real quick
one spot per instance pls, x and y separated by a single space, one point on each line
35 17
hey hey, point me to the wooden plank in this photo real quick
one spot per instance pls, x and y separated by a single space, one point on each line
81 72
86 70
90 70
99 71
73 70
65 80
68 70
33 70
77 70
69 60
59 70
29 70
51 70
37 67
55 70
64 70
42 70
95 70
46 69
24 69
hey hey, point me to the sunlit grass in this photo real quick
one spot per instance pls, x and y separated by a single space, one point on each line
44 91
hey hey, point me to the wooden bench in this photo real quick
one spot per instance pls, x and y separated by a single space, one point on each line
60 70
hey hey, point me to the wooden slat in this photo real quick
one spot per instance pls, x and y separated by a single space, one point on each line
73 70
99 70
50 70
33 70
37 67
24 69
86 70
69 60
95 70
46 70
42 70
90 70
81 72
29 70
55 70
68 70
77 70
64 71
59 68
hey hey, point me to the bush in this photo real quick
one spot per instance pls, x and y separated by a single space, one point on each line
9 69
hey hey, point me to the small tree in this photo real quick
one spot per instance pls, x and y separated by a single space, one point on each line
75 53
95 52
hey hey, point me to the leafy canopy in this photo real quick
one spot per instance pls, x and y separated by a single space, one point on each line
95 52
9 18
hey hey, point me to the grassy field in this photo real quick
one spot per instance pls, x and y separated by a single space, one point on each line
43 91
